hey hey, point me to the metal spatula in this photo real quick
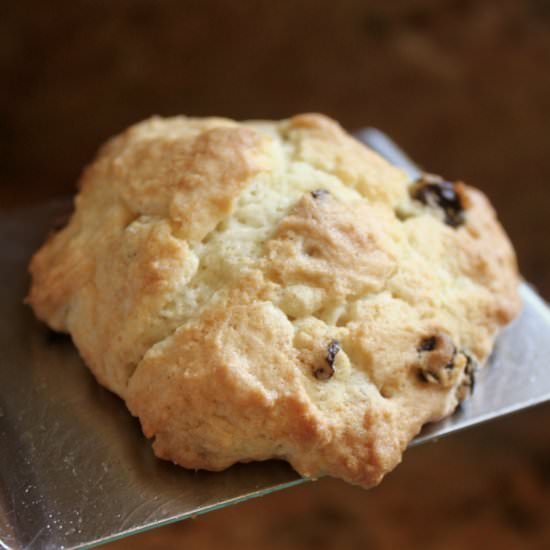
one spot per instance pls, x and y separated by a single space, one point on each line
75 470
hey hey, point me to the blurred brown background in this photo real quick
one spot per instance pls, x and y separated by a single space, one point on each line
463 85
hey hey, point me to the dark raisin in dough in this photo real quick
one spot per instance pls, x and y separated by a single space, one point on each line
469 379
437 360
319 193
428 344
438 193
326 371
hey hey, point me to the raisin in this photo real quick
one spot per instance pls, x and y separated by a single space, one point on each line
326 371
437 360
438 193
428 344
471 370
332 350
319 193
469 382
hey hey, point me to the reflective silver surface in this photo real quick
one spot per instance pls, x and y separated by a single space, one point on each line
75 469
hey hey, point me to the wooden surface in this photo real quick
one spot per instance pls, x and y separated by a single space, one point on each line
463 85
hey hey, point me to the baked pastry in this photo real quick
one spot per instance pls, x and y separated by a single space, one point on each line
275 290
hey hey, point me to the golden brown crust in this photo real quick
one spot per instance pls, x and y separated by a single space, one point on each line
267 289
325 244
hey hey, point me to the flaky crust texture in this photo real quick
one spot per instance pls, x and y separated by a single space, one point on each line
274 290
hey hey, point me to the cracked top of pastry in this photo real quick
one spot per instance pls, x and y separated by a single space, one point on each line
275 290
